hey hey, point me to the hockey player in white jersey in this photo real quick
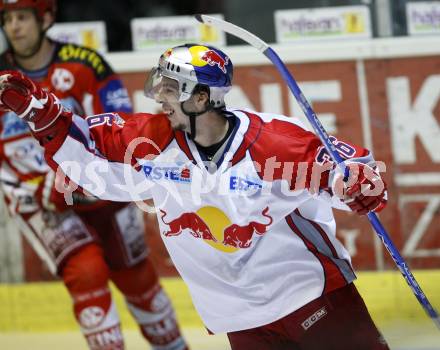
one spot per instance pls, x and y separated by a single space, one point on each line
244 200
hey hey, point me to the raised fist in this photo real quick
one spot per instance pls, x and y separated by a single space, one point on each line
363 191
28 100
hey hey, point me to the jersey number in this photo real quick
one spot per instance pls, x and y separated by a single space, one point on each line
344 149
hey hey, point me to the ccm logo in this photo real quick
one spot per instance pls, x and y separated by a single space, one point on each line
314 318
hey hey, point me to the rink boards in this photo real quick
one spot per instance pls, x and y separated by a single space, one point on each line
45 306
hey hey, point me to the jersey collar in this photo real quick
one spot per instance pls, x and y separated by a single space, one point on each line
246 131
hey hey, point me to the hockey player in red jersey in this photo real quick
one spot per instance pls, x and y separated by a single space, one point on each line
92 242
244 200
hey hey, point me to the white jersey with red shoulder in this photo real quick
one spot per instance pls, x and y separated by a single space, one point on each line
84 83
252 233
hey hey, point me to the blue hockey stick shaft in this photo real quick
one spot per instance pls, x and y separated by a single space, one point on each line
372 217
330 147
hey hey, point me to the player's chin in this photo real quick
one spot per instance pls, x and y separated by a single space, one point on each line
18 49
21 47
171 116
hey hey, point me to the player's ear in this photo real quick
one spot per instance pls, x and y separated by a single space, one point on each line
202 98
48 20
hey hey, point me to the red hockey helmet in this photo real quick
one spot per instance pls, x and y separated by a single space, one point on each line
40 6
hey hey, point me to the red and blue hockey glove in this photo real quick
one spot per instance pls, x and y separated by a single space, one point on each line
364 190
29 101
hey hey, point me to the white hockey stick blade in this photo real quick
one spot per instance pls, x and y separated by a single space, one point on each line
232 29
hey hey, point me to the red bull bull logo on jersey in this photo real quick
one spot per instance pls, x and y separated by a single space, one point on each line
188 221
241 236
215 228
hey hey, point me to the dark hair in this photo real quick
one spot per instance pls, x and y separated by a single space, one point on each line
201 88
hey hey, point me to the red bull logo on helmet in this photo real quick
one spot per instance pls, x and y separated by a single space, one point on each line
215 228
214 59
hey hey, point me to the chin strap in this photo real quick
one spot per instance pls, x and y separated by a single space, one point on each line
192 119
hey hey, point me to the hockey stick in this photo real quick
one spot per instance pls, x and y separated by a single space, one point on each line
320 131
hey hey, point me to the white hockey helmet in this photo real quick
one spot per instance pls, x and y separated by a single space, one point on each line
191 65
